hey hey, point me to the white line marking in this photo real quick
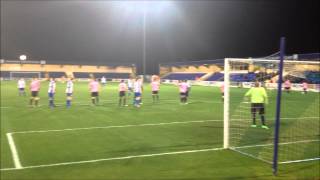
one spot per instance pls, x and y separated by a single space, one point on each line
301 160
14 152
250 155
115 158
283 118
4 107
118 126
284 143
136 125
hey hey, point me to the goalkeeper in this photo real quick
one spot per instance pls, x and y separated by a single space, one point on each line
258 98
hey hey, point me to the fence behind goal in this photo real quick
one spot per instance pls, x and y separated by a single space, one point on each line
299 135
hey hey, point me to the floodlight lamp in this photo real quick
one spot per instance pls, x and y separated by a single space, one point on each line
23 57
144 6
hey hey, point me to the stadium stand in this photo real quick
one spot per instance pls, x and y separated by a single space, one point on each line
183 76
84 75
16 69
56 74
309 56
112 75
19 74
313 77
215 77
5 74
81 75
247 77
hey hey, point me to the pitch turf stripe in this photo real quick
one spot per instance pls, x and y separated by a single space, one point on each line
115 158
118 126
14 151
87 103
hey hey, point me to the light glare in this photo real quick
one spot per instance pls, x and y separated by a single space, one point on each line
23 57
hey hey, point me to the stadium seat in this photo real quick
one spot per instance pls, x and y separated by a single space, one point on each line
183 76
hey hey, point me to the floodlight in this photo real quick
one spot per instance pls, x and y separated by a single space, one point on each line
23 57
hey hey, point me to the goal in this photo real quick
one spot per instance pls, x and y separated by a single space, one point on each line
298 136
24 74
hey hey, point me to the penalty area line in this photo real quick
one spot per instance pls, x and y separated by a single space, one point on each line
14 152
114 158
117 126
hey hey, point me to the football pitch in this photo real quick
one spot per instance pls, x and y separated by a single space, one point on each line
163 140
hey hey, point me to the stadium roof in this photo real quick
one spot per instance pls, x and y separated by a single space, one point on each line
308 56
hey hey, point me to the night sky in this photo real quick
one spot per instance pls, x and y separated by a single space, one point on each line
102 32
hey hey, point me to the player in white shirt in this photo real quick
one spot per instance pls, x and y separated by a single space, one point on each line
51 92
103 81
130 86
69 91
137 89
21 87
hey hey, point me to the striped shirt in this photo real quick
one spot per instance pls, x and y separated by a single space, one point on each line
137 86
52 87
21 84
130 84
69 88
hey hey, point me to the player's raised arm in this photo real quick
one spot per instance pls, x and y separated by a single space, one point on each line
248 93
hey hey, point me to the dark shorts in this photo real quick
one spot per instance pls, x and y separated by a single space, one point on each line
137 94
182 94
94 94
50 95
257 107
21 89
222 94
69 94
122 93
34 93
187 93
155 92
287 88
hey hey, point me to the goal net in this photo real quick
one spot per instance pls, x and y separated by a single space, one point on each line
299 132
24 74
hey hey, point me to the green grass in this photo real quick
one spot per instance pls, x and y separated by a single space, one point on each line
205 104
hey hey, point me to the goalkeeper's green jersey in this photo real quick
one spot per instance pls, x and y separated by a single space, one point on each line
257 95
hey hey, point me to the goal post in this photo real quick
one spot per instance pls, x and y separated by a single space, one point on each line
299 122
24 74
226 118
